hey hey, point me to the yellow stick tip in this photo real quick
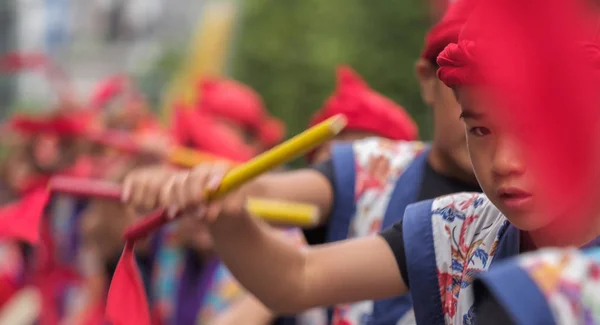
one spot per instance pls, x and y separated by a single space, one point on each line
338 123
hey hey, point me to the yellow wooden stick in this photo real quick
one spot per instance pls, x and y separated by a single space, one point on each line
280 154
284 213
242 173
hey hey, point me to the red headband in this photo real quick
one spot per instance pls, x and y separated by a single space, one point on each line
366 110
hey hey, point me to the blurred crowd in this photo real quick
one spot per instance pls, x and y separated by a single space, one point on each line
115 132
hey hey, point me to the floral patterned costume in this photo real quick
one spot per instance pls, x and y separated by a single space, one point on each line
448 242
550 286
375 179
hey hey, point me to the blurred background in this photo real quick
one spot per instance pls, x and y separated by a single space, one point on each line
286 50
100 88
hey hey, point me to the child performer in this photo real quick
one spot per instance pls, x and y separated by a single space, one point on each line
551 286
441 244
189 284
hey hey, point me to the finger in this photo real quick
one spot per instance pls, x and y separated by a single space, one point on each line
198 183
217 174
197 213
178 191
165 197
151 193
127 187
189 192
213 210
138 190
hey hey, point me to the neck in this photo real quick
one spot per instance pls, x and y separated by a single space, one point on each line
443 163
565 232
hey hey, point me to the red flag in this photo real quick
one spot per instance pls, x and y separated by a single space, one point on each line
127 303
21 220
13 62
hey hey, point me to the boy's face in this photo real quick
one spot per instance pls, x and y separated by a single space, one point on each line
449 135
103 224
500 152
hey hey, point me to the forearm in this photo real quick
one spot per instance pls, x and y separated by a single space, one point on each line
303 185
262 261
289 279
247 310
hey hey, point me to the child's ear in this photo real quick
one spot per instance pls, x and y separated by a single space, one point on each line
426 74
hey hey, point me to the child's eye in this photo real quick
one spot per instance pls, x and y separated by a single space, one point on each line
479 131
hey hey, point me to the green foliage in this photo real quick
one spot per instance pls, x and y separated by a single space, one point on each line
154 81
288 50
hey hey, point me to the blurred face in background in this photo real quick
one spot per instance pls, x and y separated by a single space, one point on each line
17 169
125 112
102 226
103 223
243 133
449 148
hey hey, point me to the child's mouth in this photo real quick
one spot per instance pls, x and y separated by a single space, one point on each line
514 198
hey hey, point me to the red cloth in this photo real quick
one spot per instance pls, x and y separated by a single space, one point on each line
366 110
127 304
242 105
69 124
107 90
205 134
8 288
543 90
179 125
13 62
21 220
447 30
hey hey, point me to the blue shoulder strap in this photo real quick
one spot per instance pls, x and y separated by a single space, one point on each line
421 266
406 191
593 243
593 253
344 206
517 293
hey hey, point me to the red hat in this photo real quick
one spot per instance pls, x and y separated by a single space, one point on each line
366 110
447 30
72 124
13 61
178 130
205 134
241 104
459 64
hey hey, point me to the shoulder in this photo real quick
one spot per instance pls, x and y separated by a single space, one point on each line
397 151
472 210
567 281
464 224
448 240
